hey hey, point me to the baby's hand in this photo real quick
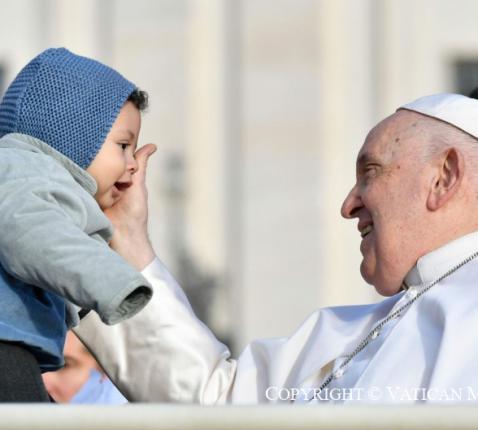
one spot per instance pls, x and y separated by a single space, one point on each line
129 216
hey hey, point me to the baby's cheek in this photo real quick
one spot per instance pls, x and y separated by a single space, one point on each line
104 201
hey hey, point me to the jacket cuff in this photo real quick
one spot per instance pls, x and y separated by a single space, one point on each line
130 301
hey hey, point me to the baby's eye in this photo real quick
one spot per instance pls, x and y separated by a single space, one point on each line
124 145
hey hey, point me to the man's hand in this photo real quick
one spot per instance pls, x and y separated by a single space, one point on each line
129 216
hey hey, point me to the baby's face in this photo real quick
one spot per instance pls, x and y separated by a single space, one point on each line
115 164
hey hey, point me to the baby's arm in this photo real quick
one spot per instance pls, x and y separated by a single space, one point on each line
43 243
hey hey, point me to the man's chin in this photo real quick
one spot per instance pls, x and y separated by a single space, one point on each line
367 275
385 290
383 287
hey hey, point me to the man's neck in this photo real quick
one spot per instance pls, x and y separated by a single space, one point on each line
437 262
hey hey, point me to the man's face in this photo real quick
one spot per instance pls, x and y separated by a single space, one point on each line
389 200
115 163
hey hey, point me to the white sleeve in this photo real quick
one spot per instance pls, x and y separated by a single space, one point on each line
164 353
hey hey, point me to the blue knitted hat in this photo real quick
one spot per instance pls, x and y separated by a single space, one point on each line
65 100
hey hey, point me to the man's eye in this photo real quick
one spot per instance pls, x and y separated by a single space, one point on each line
370 171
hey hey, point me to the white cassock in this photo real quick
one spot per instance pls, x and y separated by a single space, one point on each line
429 352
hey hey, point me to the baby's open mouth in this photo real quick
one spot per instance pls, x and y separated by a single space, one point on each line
121 186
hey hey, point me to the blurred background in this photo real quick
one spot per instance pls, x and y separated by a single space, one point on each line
258 109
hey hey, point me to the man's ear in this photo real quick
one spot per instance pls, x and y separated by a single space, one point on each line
445 184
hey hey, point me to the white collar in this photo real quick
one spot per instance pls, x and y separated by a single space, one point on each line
436 263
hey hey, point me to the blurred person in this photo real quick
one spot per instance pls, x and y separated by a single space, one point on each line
416 204
81 380
69 127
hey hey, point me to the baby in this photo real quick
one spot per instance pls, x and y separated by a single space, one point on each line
69 127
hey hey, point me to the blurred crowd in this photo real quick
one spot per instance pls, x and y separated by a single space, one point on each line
81 380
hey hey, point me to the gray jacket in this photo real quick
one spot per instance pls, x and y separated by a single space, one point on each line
55 236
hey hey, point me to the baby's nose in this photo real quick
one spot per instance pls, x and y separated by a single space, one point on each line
132 165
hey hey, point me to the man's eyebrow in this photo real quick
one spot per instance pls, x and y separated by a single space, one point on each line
364 159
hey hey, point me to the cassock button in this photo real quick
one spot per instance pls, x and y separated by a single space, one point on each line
375 333
338 373
412 293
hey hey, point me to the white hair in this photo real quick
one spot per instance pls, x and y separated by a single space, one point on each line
441 136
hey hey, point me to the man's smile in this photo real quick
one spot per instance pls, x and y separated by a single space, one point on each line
366 230
365 227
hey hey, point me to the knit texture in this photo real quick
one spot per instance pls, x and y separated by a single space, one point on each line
65 100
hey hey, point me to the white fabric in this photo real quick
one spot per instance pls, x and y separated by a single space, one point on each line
164 354
455 109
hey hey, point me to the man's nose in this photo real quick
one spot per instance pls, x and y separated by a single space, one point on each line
351 204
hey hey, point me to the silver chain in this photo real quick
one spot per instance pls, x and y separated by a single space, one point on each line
376 330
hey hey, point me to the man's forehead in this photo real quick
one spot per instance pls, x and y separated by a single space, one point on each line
388 137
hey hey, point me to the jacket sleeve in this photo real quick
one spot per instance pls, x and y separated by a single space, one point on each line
43 243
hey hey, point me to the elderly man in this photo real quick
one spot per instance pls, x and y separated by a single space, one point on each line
416 202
